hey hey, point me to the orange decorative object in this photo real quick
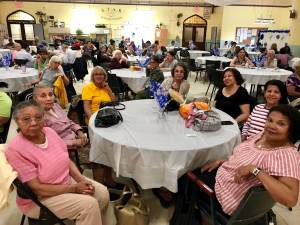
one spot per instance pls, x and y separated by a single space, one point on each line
185 110
202 105
135 68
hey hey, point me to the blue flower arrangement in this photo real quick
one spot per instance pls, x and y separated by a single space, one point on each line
6 59
161 97
143 63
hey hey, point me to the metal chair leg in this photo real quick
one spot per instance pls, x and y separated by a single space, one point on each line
23 219
207 88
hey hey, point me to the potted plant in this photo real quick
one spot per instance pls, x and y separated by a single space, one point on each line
79 32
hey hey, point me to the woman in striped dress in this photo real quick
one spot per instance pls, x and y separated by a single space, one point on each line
275 93
268 158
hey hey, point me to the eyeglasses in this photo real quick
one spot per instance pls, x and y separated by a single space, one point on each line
28 120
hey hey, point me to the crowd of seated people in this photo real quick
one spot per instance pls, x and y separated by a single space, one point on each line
270 128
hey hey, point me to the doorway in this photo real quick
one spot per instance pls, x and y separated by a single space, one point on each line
21 26
194 29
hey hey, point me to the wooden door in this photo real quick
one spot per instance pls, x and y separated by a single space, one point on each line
194 29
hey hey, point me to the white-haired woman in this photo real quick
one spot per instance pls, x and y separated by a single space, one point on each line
118 61
54 69
96 91
269 62
293 82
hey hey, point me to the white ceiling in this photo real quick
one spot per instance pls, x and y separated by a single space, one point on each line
275 3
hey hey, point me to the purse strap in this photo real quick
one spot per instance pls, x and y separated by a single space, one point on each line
114 104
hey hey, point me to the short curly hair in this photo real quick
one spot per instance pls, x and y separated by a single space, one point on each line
236 74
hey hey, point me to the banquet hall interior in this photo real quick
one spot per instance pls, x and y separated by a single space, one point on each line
183 83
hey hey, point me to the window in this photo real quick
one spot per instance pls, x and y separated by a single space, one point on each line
20 26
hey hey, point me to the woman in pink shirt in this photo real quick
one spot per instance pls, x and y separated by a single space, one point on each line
268 158
56 118
41 159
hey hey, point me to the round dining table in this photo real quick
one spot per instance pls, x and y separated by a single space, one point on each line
136 80
260 75
4 51
16 79
202 59
155 149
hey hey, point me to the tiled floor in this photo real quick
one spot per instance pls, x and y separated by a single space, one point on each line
159 216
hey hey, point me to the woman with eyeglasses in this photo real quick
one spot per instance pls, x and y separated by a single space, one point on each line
41 159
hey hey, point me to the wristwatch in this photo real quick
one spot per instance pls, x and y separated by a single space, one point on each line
255 171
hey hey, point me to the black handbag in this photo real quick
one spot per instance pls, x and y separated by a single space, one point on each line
114 104
108 117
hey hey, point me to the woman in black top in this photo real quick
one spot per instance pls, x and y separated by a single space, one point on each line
233 98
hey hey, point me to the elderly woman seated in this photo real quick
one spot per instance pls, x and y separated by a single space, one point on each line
52 72
118 61
293 82
41 159
169 61
240 60
268 158
269 61
56 118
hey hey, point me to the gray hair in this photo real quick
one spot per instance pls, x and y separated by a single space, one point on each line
117 52
98 68
38 87
24 105
271 51
55 58
296 64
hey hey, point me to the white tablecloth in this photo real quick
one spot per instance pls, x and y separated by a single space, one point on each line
223 51
136 80
156 150
253 55
291 62
3 52
16 79
262 75
202 59
194 53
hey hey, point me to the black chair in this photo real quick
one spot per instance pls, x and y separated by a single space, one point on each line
225 64
193 68
215 78
47 217
4 133
214 63
255 206
116 84
25 95
21 62
184 56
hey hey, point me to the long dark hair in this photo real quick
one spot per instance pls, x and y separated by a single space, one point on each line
293 116
282 89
